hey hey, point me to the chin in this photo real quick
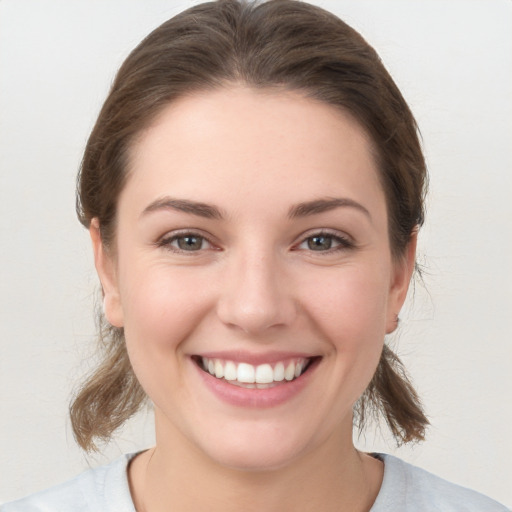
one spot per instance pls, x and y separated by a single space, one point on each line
261 449
254 459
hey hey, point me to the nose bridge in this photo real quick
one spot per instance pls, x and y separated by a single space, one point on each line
255 295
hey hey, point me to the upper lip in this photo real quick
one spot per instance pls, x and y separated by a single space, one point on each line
241 356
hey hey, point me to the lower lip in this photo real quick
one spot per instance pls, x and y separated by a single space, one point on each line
253 397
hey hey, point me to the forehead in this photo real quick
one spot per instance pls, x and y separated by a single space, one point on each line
237 141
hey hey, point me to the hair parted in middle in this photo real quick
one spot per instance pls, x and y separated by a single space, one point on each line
281 45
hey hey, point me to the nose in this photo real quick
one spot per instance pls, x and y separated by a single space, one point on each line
256 295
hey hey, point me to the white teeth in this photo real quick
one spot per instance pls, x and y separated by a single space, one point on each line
245 373
219 369
230 371
279 372
289 373
262 375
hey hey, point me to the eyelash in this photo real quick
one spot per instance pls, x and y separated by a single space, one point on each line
343 242
167 241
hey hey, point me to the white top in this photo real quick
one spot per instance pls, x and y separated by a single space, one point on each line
405 488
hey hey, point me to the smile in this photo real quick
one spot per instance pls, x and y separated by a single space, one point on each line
265 381
260 376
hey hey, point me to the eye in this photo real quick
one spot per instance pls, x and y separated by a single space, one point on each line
319 242
185 242
325 242
190 242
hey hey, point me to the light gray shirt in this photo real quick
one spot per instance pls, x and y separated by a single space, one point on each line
405 488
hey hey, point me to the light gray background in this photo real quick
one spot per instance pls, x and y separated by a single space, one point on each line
453 62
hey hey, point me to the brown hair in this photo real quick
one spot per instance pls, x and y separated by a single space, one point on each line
279 43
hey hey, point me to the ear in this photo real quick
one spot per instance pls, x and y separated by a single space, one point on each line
106 269
400 279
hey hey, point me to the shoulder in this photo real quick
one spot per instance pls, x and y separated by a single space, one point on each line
105 488
406 487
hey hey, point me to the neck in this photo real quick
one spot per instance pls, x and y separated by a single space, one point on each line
173 475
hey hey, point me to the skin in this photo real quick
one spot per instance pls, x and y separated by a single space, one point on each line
253 284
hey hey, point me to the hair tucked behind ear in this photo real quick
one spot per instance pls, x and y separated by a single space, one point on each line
280 44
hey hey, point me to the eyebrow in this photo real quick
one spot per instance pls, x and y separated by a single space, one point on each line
323 205
207 211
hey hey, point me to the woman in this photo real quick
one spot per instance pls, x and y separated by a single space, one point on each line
253 188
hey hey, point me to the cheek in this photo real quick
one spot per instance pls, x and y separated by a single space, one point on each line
350 315
158 301
161 309
352 307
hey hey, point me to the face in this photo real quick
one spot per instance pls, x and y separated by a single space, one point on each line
253 274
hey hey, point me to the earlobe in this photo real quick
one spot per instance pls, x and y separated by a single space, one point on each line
401 278
105 267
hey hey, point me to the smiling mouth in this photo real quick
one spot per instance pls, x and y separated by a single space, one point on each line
260 376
